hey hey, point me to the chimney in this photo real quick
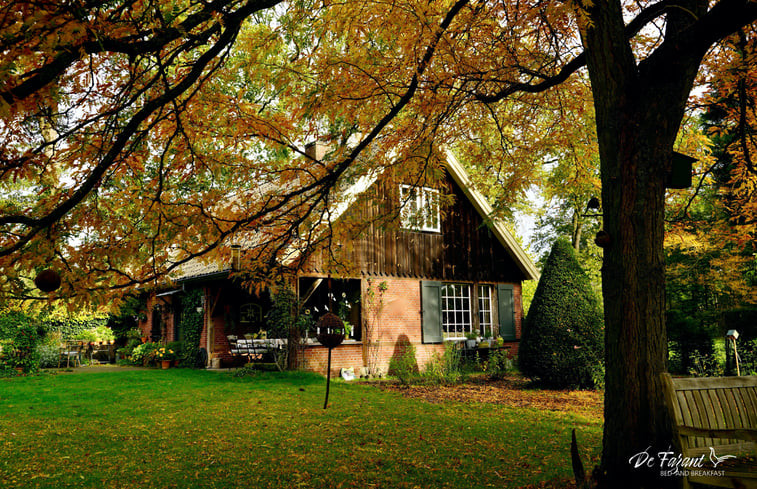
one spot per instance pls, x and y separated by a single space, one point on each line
316 150
236 257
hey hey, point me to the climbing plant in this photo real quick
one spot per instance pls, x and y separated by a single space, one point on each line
191 325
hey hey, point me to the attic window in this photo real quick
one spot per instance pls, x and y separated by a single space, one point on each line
420 208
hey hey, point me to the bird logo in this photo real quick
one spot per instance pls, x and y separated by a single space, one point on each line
716 460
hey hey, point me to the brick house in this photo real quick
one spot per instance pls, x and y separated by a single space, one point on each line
437 268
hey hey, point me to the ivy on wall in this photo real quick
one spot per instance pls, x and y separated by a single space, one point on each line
191 325
72 328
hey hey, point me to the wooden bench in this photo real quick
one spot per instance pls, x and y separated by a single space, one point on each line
716 417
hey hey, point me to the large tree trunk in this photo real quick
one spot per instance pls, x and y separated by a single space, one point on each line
639 108
633 278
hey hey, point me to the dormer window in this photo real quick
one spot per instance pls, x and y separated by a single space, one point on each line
420 208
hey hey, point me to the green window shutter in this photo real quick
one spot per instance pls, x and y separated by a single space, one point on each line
431 312
506 309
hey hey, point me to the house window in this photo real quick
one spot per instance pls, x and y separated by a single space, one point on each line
420 208
456 310
448 310
340 296
485 309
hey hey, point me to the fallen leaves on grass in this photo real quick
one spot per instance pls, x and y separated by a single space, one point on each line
511 391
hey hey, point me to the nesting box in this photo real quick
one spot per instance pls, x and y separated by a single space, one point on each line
680 173
603 239
47 280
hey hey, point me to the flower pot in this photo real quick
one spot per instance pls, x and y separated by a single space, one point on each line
164 364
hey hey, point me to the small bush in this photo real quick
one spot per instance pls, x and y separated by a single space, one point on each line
444 368
49 350
19 338
144 354
499 365
404 365
705 365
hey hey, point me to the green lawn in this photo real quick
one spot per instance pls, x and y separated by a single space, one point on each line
185 428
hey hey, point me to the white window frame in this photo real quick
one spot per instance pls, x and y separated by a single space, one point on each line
420 208
485 301
457 319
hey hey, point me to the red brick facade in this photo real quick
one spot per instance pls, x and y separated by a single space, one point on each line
392 318
160 308
398 321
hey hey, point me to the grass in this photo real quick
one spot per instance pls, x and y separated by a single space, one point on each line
186 428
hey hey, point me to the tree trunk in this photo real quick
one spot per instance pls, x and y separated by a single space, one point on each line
633 277
639 108
576 234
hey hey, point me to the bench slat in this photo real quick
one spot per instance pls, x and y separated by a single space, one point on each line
729 434
698 383
699 415
749 415
719 409
726 402
751 394
741 418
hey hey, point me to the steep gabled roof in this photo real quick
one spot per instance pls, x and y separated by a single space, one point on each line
197 269
486 212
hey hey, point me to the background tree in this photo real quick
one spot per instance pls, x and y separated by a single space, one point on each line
563 338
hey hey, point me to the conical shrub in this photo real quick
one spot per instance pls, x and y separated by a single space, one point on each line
563 335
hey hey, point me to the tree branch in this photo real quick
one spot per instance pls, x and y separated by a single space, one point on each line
232 24
549 81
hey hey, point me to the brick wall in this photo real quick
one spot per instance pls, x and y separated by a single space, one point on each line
166 314
394 315
399 321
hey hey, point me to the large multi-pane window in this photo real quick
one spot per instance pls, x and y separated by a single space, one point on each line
456 310
451 310
485 309
420 208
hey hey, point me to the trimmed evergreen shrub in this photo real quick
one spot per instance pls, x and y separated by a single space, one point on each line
563 335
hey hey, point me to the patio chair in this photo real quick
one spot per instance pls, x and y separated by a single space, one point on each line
70 351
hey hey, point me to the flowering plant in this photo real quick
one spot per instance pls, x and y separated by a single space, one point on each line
164 353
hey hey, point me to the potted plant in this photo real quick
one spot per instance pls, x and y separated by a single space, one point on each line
165 356
487 340
470 339
178 351
87 337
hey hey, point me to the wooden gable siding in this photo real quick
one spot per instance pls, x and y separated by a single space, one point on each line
465 250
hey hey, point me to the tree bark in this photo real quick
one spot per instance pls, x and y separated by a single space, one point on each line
639 108
576 234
